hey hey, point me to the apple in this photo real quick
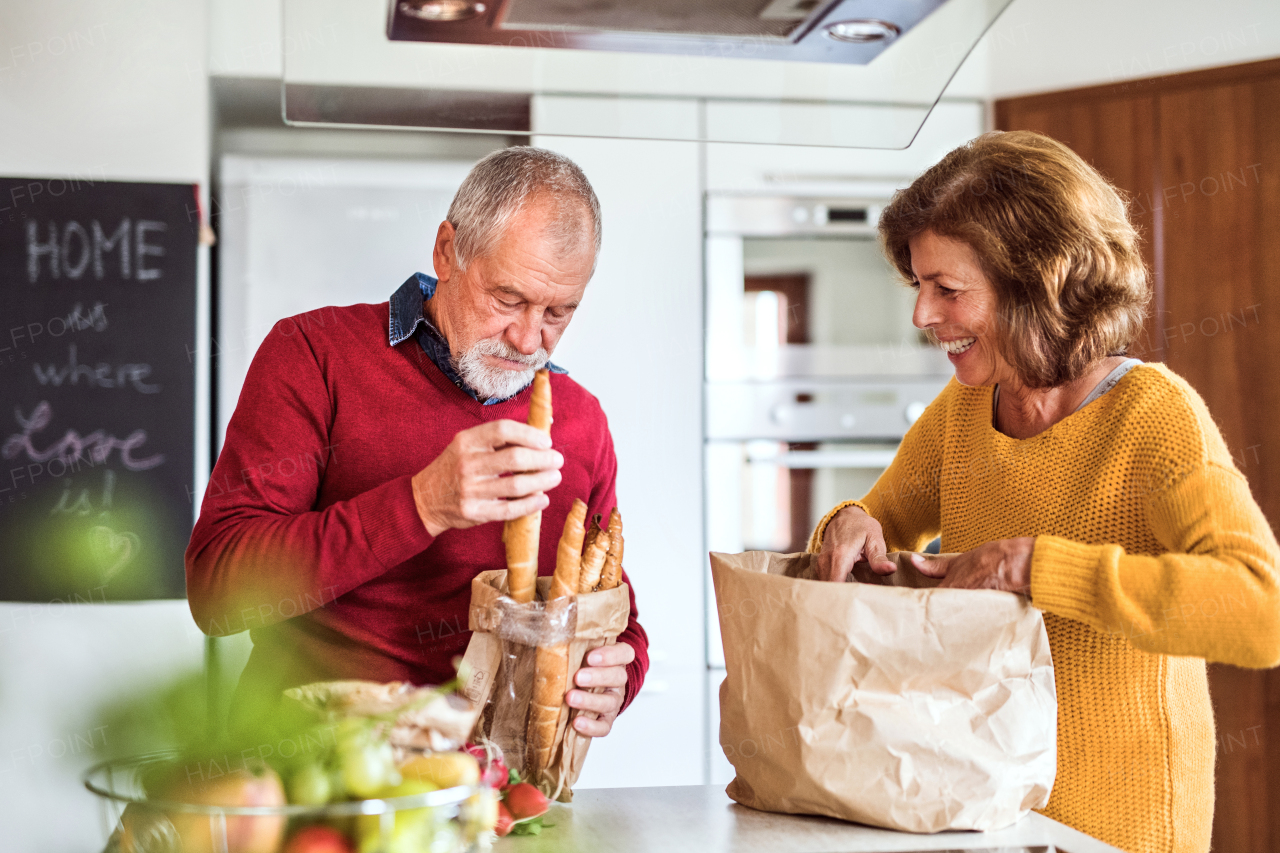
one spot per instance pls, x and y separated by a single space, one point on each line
367 768
310 785
319 839
256 785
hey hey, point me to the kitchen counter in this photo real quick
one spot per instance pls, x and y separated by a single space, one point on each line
702 818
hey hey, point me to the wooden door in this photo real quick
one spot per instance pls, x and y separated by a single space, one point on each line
1220 149
1199 156
1118 137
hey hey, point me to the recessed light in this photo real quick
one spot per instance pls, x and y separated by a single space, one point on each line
441 10
862 31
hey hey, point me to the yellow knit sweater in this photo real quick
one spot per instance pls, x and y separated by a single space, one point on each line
1150 558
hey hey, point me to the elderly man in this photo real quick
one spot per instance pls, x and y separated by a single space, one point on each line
374 446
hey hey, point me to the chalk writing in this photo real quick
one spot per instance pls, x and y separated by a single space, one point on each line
99 376
83 504
71 251
96 447
112 551
76 320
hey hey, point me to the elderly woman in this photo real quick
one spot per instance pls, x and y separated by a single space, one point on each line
1094 484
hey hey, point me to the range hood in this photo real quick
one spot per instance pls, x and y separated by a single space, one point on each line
848 31
843 73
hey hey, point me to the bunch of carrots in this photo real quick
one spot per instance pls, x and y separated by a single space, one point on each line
586 561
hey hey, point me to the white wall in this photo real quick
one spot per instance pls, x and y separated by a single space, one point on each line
113 90
1045 45
244 38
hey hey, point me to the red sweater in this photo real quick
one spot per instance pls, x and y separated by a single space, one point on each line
308 534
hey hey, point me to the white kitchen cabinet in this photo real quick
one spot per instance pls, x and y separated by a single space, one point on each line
636 343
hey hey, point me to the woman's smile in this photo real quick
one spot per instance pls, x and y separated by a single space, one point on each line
958 347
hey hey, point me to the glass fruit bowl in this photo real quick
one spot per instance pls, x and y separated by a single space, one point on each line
450 820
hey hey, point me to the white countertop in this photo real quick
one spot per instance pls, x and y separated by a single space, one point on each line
702 819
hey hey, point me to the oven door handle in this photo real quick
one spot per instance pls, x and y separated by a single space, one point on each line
833 459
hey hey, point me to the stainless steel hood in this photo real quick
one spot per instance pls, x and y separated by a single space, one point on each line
848 31
843 73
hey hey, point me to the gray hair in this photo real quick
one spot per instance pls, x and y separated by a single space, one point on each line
502 183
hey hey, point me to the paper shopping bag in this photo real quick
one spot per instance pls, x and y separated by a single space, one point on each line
500 662
882 701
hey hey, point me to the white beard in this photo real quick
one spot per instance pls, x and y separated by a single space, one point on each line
497 383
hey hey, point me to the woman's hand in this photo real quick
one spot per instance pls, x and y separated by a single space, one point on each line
1004 564
852 536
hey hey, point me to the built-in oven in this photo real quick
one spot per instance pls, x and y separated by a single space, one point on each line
813 369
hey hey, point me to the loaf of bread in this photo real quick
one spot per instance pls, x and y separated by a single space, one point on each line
521 535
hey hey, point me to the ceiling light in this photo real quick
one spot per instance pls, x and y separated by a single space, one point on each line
862 31
441 10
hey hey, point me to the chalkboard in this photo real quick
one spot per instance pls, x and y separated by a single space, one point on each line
97 388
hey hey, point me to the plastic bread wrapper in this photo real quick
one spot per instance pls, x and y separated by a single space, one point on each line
882 701
500 661
425 718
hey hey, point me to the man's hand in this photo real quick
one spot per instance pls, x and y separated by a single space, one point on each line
852 536
606 667
464 486
1004 564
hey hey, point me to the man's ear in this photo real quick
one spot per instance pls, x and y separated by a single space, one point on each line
443 256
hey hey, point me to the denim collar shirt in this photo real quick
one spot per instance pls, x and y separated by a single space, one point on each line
409 319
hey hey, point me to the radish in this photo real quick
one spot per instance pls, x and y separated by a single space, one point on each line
525 802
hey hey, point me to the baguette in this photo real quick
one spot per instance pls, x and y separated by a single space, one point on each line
521 535
551 664
612 573
564 584
593 562
592 531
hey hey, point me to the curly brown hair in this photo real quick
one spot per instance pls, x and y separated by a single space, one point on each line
1052 236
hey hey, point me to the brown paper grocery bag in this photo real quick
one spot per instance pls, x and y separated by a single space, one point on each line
882 701
598 619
